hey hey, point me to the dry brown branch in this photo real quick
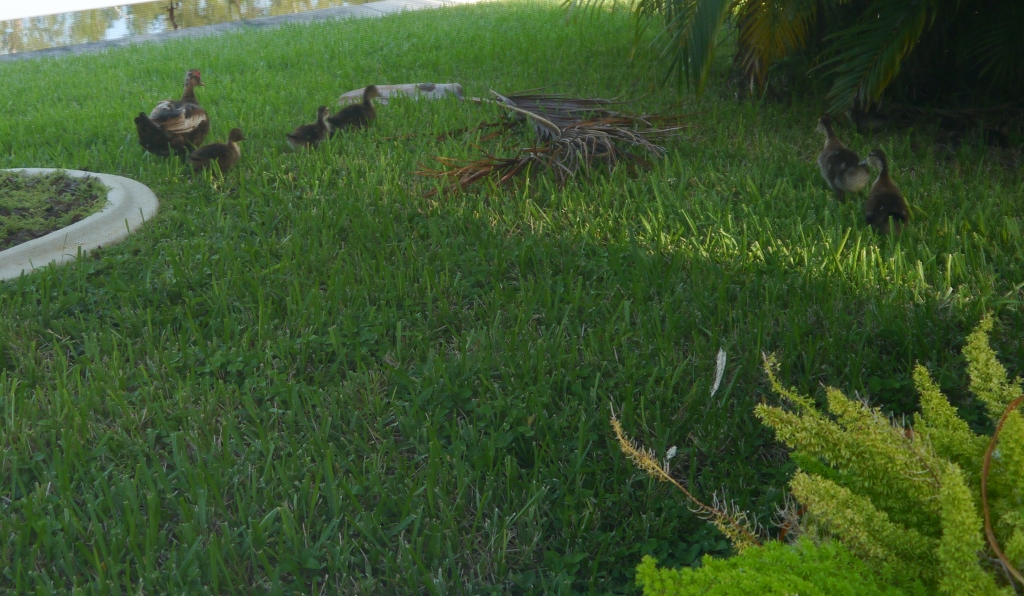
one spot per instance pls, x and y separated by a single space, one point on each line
733 524
989 533
790 520
573 135
463 175
171 6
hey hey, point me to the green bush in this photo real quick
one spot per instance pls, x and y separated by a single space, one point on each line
894 497
803 568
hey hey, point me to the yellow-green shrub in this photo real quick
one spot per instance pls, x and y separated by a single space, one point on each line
803 568
898 497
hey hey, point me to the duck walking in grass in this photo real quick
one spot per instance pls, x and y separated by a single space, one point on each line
225 154
885 201
356 115
311 135
841 168
175 125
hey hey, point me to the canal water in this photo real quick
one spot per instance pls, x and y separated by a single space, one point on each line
38 33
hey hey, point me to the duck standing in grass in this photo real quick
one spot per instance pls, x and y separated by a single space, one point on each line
356 115
225 154
311 135
885 201
177 126
842 169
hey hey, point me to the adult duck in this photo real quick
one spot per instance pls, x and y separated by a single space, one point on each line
175 125
311 135
225 154
840 167
356 115
885 210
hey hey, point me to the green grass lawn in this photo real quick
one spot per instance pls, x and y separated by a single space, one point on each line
310 377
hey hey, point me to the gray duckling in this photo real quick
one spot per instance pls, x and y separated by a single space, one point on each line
840 167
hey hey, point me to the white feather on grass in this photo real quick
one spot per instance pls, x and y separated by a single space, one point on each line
719 371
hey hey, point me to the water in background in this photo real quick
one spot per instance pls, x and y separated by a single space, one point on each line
37 33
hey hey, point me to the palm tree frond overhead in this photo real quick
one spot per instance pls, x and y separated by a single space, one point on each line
872 51
693 34
938 51
771 31
997 48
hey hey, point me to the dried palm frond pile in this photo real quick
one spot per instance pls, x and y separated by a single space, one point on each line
572 135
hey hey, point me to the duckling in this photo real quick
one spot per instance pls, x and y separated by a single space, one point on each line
356 115
175 125
310 135
841 168
225 154
885 200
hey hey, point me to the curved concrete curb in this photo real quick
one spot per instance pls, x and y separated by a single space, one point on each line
129 205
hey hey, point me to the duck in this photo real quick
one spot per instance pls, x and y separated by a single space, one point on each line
175 125
842 169
885 201
225 154
311 135
356 115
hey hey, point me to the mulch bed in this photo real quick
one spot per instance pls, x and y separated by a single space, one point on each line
32 205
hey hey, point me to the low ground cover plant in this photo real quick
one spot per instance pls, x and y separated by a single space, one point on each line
308 375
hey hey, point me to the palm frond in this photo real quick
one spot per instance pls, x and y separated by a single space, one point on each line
463 174
872 52
996 44
698 39
691 34
550 113
771 30
573 135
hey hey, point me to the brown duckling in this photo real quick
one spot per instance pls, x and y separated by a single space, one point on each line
841 168
310 135
225 154
885 201
356 115
175 125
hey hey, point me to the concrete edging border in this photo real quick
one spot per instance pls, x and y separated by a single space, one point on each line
129 204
